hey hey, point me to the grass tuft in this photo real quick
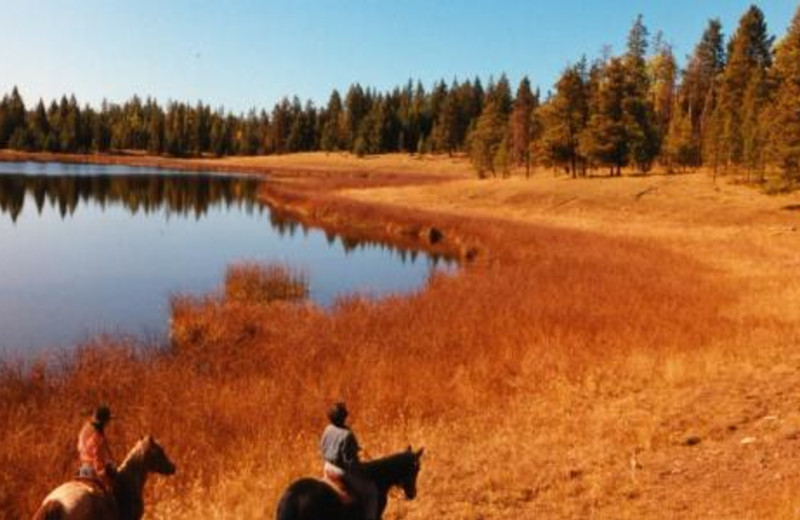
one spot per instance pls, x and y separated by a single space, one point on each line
258 283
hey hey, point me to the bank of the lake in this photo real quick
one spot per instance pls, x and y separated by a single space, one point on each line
559 375
95 249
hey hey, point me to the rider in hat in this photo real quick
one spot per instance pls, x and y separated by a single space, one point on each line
94 453
340 452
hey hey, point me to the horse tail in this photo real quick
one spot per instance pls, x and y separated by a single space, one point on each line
51 510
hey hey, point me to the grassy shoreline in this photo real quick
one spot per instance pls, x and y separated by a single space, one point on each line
557 375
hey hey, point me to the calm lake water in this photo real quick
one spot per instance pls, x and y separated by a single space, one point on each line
88 249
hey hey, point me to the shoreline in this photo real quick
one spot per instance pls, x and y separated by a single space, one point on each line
285 193
595 313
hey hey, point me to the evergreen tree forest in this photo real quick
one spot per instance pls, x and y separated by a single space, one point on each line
734 106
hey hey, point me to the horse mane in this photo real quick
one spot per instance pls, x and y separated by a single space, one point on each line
130 481
136 454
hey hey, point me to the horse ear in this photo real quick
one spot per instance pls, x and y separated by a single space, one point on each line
420 452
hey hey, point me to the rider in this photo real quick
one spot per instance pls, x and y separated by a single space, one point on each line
94 453
340 451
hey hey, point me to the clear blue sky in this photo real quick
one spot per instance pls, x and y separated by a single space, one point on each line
251 53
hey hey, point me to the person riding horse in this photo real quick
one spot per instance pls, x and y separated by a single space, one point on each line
340 449
94 454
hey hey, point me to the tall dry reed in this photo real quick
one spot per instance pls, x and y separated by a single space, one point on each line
243 386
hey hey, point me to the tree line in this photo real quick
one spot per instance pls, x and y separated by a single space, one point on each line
173 194
735 105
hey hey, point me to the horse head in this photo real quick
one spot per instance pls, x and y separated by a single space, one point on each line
154 457
409 483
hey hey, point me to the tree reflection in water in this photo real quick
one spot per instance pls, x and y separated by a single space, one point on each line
184 194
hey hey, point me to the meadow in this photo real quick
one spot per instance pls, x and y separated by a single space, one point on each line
609 348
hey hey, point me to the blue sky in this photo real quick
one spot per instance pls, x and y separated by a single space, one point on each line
250 53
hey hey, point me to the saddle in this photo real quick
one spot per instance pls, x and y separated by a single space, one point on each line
339 487
95 485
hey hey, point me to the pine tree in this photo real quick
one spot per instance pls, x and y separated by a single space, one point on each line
606 140
356 108
753 127
680 148
521 120
446 127
663 73
712 126
564 118
784 117
701 75
488 142
40 126
749 54
332 137
12 118
641 130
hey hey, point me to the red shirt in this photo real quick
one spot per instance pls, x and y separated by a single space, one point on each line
93 449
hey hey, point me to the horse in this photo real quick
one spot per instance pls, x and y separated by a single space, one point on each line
313 499
86 499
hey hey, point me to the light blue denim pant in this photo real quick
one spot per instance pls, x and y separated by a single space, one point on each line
87 471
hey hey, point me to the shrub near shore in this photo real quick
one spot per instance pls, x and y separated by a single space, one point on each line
241 396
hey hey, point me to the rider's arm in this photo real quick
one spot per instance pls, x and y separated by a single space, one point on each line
350 451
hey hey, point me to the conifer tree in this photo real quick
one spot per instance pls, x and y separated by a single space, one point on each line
332 137
641 131
356 108
749 55
753 125
488 142
446 127
784 117
521 125
606 140
12 116
680 147
40 126
701 75
663 73
564 118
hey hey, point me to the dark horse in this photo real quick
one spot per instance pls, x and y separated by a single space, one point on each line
313 499
83 499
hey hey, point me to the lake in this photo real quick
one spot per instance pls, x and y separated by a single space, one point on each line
90 249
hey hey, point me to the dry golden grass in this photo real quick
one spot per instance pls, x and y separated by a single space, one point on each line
256 283
558 375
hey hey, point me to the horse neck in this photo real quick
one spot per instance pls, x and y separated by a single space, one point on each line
129 484
388 471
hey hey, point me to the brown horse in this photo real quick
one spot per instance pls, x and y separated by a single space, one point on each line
313 499
84 500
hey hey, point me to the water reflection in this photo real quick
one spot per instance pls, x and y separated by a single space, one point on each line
101 250
178 194
186 194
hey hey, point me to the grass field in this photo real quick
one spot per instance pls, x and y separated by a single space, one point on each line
618 348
